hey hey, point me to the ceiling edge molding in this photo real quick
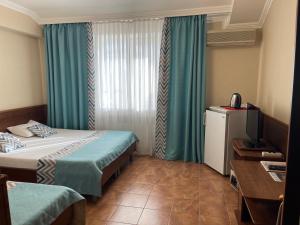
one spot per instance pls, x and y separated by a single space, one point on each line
214 14
226 22
253 25
238 26
20 9
214 18
265 13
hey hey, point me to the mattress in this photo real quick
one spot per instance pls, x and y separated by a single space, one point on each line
36 148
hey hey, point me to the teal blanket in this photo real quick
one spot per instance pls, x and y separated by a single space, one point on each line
36 204
82 169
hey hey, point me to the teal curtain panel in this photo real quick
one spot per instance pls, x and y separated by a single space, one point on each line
66 49
181 97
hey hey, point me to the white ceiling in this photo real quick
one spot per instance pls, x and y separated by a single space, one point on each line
58 11
74 8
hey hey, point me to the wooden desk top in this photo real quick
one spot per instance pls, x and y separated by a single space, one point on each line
255 182
251 154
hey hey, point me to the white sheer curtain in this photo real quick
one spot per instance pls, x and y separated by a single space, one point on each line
127 66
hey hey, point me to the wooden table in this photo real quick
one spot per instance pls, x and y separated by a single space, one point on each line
255 154
258 193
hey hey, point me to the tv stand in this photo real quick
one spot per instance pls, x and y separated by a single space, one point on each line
244 152
249 145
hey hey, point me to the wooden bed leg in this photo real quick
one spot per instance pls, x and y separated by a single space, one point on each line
131 158
117 173
112 169
94 198
4 205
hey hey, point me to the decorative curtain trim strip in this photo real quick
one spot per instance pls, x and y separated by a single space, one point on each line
162 98
91 77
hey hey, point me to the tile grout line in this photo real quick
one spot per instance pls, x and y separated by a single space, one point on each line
217 185
171 210
144 208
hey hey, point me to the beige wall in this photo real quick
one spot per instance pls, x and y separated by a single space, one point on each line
277 60
21 72
229 70
11 19
43 69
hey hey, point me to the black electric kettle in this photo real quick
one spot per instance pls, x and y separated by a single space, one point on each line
236 101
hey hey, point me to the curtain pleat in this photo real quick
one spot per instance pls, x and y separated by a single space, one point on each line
66 63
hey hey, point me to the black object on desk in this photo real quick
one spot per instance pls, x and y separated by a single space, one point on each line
277 168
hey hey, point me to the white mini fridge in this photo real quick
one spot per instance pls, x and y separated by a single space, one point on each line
221 126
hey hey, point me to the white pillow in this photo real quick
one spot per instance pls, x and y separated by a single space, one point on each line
32 122
21 130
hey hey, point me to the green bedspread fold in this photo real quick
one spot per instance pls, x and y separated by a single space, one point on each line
82 169
38 204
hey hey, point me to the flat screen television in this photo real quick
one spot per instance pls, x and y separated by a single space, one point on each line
254 126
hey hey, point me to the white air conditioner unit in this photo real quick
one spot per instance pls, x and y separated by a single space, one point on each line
232 38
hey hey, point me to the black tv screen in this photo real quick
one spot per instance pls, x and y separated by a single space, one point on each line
253 126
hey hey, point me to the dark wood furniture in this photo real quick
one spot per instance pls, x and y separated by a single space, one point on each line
112 168
4 205
27 175
275 133
275 136
242 152
65 218
38 113
259 194
14 117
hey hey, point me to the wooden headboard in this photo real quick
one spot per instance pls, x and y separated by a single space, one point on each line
275 132
14 117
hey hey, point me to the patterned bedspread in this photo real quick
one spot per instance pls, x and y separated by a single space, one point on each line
79 165
36 204
47 165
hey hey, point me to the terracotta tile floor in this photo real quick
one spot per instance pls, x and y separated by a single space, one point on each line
156 192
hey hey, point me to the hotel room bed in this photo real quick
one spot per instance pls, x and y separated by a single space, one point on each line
35 204
81 160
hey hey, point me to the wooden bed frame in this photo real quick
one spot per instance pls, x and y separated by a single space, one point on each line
65 218
39 113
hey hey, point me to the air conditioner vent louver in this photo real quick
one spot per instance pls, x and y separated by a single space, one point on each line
231 38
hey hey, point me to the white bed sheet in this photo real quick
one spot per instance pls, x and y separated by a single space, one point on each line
36 148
